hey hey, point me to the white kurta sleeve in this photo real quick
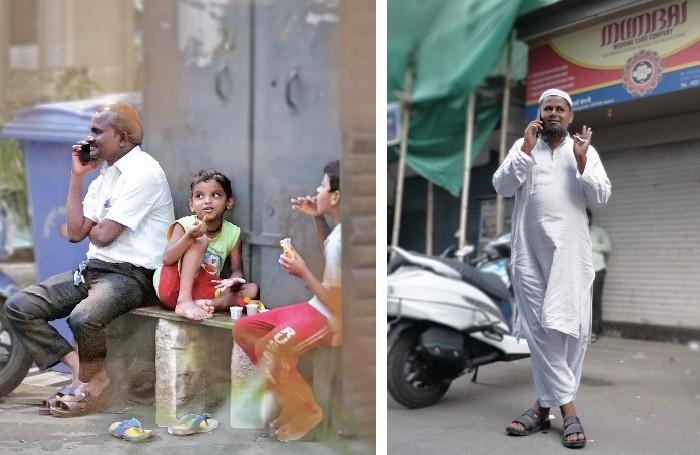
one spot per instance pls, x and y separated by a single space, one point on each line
511 174
594 180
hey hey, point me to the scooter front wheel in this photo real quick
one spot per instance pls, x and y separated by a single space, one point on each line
410 376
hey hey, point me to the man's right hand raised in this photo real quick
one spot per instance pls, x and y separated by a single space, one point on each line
531 132
77 168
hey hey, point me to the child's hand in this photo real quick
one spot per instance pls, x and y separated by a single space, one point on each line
296 267
198 229
305 204
228 283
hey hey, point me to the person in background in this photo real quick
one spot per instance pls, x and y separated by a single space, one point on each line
601 248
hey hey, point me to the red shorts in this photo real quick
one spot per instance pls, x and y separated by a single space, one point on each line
169 285
290 330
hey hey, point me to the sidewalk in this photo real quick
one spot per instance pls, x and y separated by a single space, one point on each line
636 397
23 431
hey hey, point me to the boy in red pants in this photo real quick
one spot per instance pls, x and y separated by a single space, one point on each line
276 339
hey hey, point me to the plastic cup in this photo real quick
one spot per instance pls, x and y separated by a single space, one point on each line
251 309
236 312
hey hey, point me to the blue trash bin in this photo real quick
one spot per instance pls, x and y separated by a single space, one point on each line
46 133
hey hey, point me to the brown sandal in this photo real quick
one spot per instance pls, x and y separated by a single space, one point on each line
75 405
44 408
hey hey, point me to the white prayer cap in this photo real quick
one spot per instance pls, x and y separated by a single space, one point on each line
556 92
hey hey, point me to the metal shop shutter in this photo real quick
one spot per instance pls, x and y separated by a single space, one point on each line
653 219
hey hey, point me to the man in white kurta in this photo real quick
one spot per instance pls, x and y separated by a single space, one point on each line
554 177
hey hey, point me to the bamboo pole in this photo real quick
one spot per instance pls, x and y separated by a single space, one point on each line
505 109
429 221
467 170
403 148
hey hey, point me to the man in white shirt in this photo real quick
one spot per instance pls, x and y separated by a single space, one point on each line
554 177
125 214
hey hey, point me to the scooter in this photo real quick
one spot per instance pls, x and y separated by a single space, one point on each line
14 358
446 318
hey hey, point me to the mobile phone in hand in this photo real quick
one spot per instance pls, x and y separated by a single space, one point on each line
84 155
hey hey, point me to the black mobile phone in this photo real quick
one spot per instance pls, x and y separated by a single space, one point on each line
84 155
537 133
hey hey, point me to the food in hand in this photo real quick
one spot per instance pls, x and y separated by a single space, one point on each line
287 248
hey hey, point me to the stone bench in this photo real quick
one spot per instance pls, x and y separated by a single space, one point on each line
194 367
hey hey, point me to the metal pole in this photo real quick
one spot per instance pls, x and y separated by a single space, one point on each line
429 221
467 170
500 206
406 111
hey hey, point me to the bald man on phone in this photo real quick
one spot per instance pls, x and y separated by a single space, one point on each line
125 215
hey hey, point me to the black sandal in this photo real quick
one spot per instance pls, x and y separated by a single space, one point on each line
572 425
531 425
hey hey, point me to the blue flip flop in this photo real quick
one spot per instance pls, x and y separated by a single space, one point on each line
193 423
130 430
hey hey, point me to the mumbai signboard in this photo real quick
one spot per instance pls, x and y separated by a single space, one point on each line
648 52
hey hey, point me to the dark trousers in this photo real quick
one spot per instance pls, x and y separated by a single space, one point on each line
597 323
109 291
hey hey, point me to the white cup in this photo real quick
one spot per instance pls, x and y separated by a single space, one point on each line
251 309
236 312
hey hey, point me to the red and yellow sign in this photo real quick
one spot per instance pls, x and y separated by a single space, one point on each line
651 51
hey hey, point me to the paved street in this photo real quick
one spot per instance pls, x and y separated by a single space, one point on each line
636 398
23 431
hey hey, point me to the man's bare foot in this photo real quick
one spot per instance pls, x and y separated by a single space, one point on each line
190 310
302 424
95 386
73 361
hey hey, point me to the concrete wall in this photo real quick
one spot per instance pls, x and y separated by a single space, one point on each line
358 186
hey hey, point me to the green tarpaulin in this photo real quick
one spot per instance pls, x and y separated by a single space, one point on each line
452 46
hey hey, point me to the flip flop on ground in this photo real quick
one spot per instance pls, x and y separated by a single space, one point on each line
130 430
192 424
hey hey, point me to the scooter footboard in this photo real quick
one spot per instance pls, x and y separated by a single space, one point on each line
511 347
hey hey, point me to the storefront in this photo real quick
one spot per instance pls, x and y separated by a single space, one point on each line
634 75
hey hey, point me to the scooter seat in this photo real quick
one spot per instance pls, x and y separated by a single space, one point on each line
488 282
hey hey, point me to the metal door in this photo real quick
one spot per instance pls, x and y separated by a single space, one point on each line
197 95
296 132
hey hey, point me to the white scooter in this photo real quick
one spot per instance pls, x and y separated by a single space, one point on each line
445 318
